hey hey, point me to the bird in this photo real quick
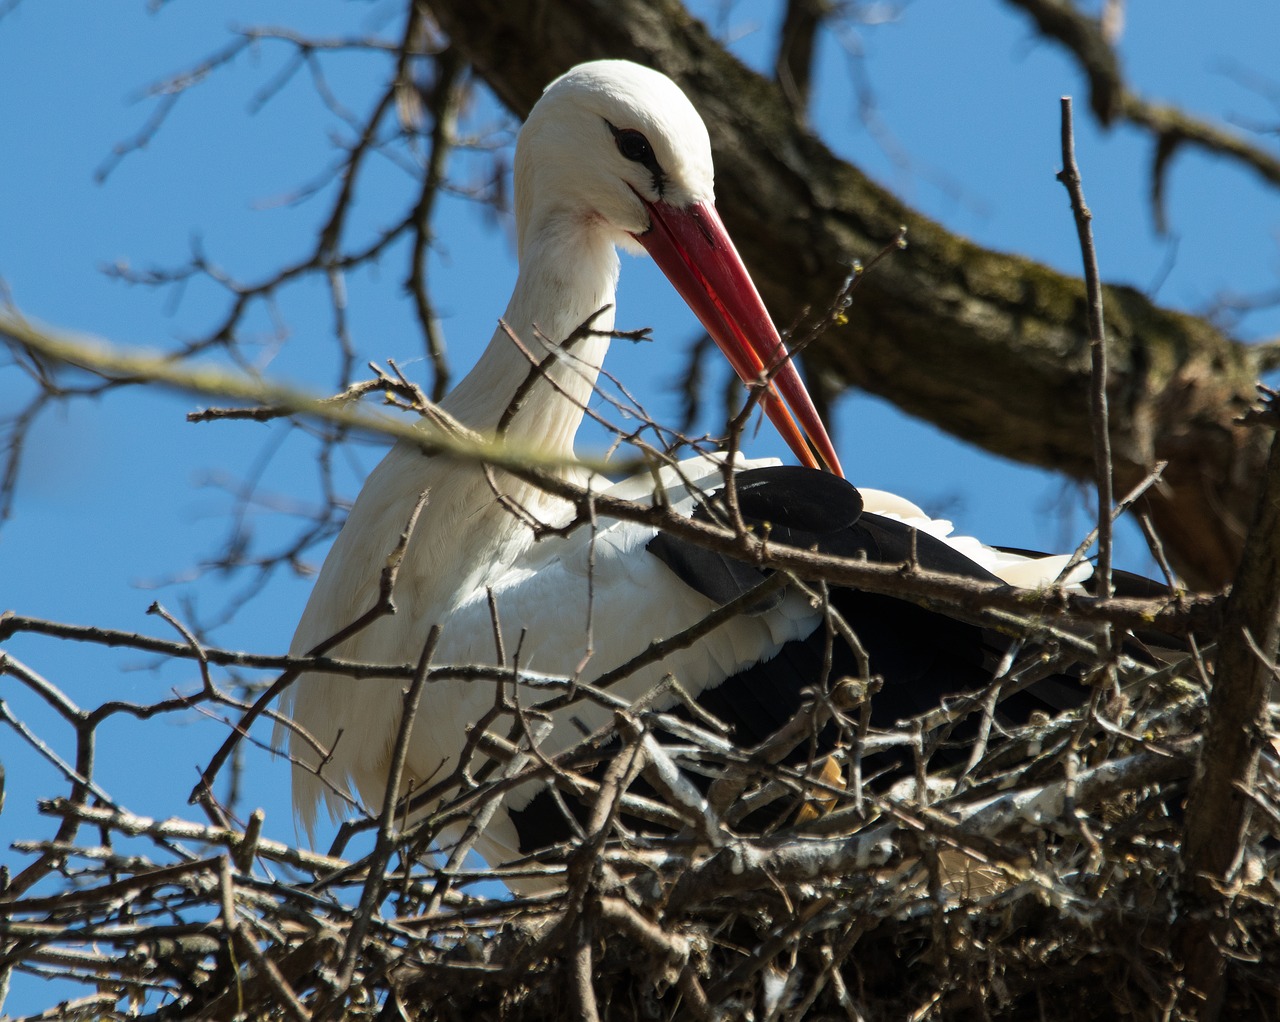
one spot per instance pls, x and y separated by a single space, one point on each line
613 157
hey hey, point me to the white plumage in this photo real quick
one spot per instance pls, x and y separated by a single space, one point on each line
578 198
540 590
1014 568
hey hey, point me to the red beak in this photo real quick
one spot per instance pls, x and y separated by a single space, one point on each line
696 253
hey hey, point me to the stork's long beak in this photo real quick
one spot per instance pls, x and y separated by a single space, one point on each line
696 253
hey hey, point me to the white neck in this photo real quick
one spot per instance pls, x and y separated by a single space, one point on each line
568 273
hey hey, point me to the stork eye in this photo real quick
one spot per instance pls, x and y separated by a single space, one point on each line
634 146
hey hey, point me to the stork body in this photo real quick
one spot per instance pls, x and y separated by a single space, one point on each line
612 156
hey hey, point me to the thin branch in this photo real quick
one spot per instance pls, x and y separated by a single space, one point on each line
1112 99
383 605
1103 471
373 887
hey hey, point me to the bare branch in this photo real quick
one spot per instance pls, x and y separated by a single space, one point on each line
1070 177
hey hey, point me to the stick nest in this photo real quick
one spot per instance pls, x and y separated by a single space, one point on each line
1037 881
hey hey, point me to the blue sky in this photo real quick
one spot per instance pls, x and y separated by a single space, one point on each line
119 498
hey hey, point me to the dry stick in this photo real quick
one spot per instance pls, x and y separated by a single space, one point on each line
266 967
196 647
539 369
11 623
478 817
880 578
545 473
1157 551
80 775
1218 805
265 413
446 98
1126 502
1070 178
384 605
809 718
247 852
625 918
503 750
787 933
748 864
385 841
661 648
581 968
672 947
113 893
217 815
77 779
576 915
166 832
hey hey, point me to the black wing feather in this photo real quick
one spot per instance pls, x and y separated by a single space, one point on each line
922 655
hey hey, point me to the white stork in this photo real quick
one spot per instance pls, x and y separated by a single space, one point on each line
612 156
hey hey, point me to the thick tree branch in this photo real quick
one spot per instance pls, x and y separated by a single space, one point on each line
925 319
1221 798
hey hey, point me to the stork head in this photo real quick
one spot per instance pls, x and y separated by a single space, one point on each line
619 146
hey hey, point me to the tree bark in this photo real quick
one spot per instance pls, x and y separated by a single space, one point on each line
1223 792
988 346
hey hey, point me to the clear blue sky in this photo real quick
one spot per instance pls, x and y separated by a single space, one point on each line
118 499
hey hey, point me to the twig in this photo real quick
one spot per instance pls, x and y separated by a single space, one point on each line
446 96
382 606
1102 466
542 472
1111 98
242 940
385 844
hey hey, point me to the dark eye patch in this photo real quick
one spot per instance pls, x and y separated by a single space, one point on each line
635 147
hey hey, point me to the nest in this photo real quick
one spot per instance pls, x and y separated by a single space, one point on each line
1039 879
